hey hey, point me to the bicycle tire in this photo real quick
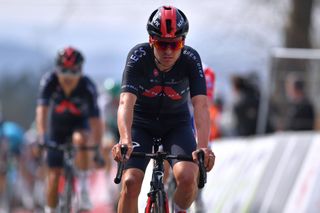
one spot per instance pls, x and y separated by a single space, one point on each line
67 195
159 204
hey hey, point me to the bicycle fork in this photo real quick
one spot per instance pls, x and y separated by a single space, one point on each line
157 199
152 205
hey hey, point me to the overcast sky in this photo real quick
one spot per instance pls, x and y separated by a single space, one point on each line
230 35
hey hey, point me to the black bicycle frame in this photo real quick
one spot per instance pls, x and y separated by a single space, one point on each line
157 195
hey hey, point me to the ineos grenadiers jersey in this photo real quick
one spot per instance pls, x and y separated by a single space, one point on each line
162 96
68 111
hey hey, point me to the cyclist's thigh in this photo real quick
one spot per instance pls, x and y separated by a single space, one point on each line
143 143
180 141
81 132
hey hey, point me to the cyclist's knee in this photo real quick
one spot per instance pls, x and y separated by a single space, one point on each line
186 180
132 181
54 174
79 137
185 175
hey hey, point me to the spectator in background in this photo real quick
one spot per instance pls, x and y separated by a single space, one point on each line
210 81
108 102
215 105
300 113
246 105
109 110
216 110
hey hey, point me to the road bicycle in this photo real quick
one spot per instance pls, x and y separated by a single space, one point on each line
68 199
157 201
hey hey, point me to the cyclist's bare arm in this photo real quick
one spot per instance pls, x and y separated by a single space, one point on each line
201 118
202 124
125 117
96 129
41 119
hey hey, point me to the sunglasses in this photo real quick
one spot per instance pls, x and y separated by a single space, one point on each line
69 72
164 45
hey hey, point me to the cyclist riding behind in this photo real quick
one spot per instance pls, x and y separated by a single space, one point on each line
11 159
71 99
157 80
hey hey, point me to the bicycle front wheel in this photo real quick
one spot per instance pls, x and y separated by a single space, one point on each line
66 205
159 204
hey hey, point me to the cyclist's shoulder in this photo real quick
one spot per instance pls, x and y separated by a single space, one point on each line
190 54
85 79
88 84
48 77
138 53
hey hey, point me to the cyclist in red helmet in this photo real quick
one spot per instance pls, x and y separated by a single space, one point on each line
70 98
158 79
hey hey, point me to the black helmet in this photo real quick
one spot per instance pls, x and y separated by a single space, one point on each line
168 22
69 57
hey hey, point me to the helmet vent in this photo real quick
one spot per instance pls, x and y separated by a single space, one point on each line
168 26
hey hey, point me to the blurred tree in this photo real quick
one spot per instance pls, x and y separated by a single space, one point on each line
299 24
18 96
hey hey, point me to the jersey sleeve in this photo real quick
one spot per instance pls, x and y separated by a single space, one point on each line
94 110
47 84
132 71
197 79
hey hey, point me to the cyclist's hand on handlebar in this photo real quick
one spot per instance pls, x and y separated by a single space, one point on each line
209 158
43 139
116 151
37 147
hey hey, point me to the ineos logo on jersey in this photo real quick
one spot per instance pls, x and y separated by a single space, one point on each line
189 53
129 86
137 54
200 69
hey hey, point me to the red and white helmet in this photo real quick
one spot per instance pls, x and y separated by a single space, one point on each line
168 22
69 57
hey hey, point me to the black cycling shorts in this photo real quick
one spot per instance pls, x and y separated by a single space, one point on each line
178 140
61 136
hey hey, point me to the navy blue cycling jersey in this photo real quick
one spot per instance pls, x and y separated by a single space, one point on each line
68 111
162 96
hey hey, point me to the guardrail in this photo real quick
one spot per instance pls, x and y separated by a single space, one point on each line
275 173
